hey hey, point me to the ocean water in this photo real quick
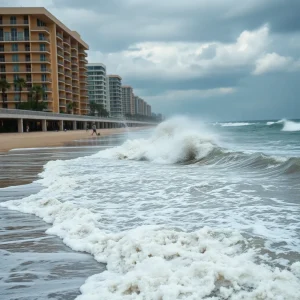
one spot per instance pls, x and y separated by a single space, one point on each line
183 211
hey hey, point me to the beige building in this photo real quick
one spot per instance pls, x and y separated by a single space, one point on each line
127 100
34 45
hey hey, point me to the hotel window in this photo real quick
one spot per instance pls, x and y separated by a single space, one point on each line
2 58
2 69
28 68
14 34
13 20
17 97
28 78
41 37
14 47
43 67
15 57
16 68
42 47
27 57
1 48
3 77
40 23
42 57
1 20
44 77
26 20
27 47
16 77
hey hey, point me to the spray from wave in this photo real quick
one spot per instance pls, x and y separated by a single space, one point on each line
176 140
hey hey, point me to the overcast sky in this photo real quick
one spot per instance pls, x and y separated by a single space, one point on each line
219 59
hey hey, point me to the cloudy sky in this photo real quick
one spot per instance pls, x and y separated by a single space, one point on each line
219 59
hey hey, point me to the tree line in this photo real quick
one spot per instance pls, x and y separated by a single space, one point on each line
35 100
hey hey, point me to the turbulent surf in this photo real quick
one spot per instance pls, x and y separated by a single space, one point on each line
184 211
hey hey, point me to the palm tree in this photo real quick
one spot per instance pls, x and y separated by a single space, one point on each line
4 86
37 93
71 106
20 83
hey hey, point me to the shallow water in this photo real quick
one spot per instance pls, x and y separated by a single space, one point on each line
185 211
35 265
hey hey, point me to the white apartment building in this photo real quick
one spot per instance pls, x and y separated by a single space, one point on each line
98 88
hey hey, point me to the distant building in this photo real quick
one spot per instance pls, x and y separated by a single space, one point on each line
141 106
97 85
127 100
115 94
37 47
148 111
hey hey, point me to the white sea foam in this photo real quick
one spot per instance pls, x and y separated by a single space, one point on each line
103 205
287 125
291 126
158 263
236 124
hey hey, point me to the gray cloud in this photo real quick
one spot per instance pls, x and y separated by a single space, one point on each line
225 59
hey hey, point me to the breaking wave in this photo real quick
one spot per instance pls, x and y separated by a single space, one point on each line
287 125
181 141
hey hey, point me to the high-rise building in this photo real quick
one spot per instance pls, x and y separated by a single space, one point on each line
127 100
37 47
97 85
148 112
115 94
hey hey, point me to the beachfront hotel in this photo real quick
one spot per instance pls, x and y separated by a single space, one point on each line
98 85
127 100
115 95
37 47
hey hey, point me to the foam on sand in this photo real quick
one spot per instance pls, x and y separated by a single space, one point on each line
151 262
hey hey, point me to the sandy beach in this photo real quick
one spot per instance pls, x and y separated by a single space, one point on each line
10 141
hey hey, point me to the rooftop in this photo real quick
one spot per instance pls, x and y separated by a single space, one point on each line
45 15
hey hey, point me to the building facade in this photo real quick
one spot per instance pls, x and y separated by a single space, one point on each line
115 95
37 47
149 114
98 90
127 100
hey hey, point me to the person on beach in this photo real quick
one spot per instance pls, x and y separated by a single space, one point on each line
94 129
27 128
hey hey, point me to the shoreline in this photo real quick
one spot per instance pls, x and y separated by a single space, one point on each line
10 141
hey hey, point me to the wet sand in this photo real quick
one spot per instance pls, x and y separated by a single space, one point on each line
37 266
10 141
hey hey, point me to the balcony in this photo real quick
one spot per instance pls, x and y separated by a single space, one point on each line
60 53
47 61
14 23
39 29
74 63
14 39
61 87
67 74
68 82
60 45
67 67
39 40
82 53
60 62
59 35
61 71
75 78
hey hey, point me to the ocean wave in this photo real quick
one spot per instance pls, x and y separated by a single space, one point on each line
174 141
287 125
155 262
177 141
236 124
